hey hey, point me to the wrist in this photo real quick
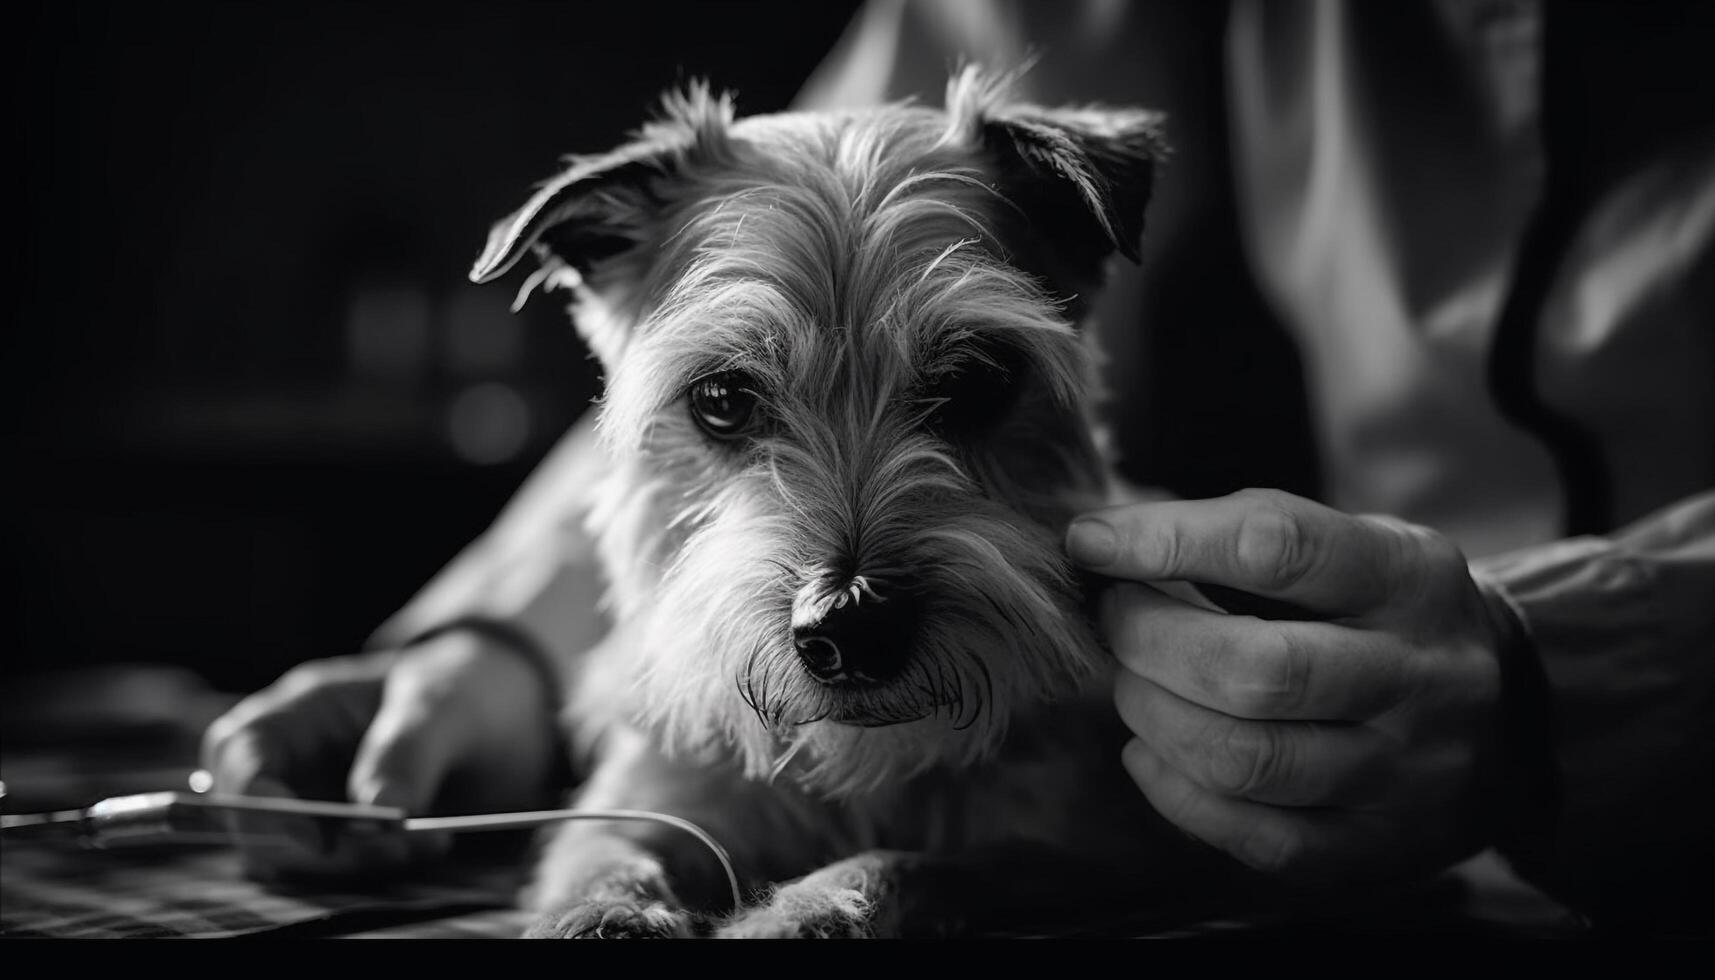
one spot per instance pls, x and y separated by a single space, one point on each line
502 639
493 638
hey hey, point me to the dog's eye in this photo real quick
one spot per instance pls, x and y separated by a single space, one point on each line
724 404
975 394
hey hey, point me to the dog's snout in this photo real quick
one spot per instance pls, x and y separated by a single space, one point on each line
821 656
860 637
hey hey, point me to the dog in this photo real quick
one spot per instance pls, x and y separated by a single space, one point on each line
850 414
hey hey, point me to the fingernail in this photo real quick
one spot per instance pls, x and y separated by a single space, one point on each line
1090 542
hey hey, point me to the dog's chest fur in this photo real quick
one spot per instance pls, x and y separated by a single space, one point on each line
1056 781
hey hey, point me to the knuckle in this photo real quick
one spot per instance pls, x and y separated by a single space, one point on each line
1263 495
1243 759
1272 548
1268 677
1273 847
1176 801
1157 545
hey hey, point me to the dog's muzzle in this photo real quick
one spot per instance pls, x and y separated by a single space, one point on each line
855 635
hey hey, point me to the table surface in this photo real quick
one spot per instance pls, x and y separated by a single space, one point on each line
56 755
199 892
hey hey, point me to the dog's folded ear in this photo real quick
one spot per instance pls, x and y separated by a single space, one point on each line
594 209
1089 170
1081 176
582 226
593 226
600 206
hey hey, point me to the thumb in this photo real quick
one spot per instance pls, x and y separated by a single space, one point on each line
403 760
400 762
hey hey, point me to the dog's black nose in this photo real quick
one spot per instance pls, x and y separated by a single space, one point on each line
863 639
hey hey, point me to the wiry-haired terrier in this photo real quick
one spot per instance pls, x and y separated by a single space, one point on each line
848 408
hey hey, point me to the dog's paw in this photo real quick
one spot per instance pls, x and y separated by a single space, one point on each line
770 924
613 920
841 913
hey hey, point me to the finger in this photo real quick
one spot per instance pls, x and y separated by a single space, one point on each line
305 715
1265 542
239 759
247 762
1254 668
240 717
1286 764
404 760
1300 844
409 747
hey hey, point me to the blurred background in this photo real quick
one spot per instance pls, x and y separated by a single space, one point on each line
258 402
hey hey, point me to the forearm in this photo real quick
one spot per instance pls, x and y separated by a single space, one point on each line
534 570
1623 632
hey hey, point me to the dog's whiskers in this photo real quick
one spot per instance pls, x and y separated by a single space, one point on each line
785 759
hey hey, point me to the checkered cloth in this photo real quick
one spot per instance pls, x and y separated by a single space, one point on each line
159 892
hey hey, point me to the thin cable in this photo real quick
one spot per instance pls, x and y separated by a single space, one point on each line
536 818
122 816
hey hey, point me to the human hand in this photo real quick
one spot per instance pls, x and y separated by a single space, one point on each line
451 724
1359 744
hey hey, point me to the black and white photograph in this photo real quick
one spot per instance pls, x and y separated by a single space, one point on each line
864 469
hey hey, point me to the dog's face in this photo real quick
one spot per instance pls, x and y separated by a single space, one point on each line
848 408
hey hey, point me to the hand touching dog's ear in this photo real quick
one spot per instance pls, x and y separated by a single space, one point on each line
1363 739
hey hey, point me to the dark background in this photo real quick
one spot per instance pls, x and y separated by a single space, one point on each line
257 403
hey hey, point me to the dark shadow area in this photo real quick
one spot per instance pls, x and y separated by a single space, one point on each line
258 402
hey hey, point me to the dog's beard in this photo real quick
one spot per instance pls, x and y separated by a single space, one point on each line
716 667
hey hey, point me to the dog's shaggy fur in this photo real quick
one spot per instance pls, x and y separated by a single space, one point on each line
891 296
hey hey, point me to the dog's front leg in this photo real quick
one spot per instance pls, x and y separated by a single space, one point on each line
615 879
606 886
880 894
849 899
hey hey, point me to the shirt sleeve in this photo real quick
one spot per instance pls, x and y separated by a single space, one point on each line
1623 632
534 570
